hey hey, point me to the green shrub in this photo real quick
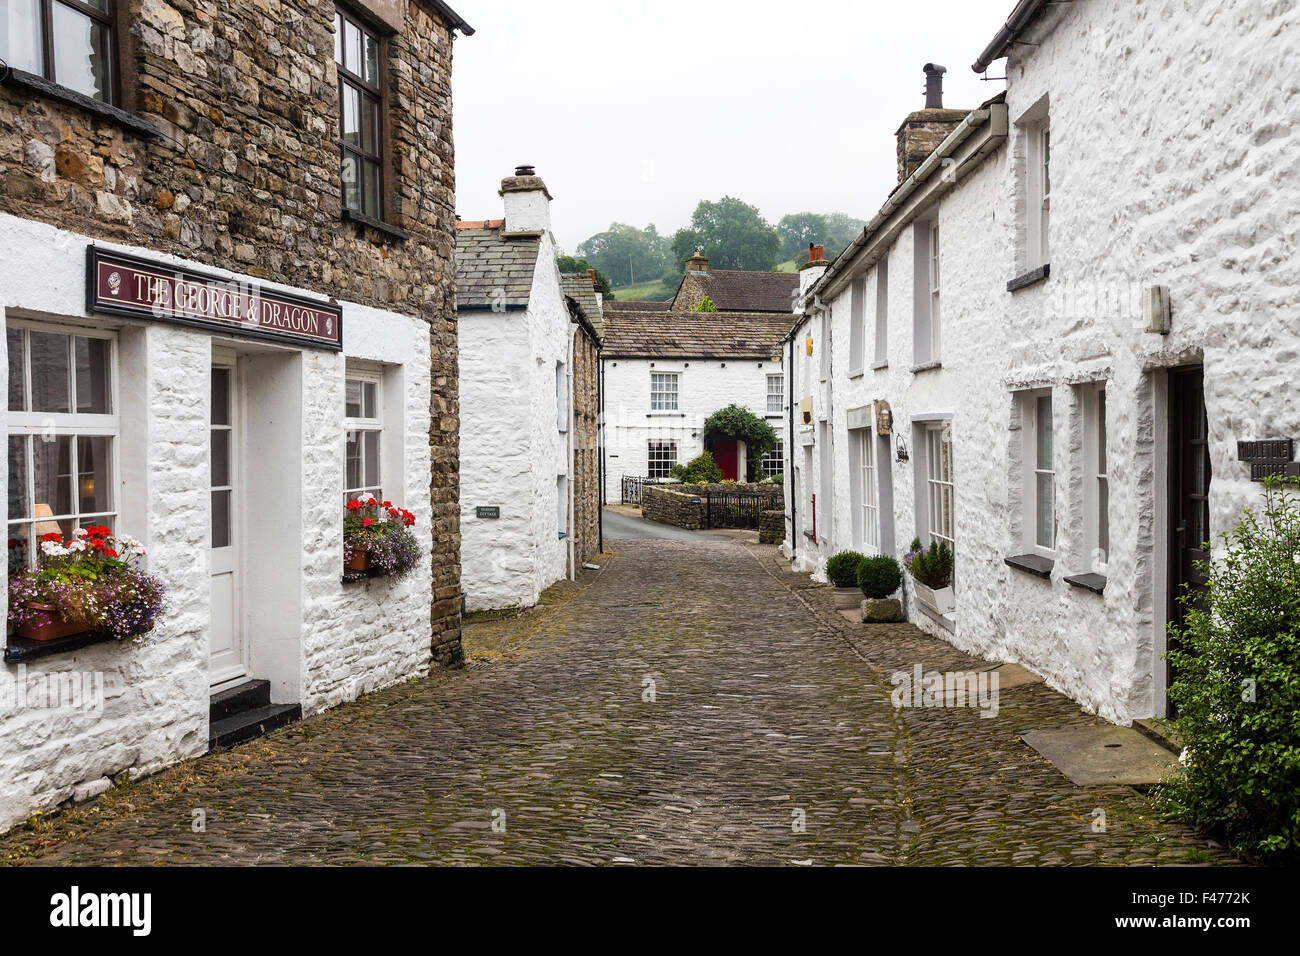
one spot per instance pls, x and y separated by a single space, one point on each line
706 305
777 479
931 566
1237 687
842 569
700 470
879 577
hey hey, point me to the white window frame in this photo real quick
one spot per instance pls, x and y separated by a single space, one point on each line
942 527
1043 137
776 399
882 313
37 426
1035 186
933 251
1096 489
662 397
867 485
1040 472
774 460
371 375
654 457
857 326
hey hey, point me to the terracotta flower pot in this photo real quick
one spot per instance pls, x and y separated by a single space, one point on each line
49 625
360 560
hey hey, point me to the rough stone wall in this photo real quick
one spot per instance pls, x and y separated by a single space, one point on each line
771 527
672 507
245 176
585 470
921 134
689 294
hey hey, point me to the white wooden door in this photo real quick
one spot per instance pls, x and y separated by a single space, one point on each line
226 645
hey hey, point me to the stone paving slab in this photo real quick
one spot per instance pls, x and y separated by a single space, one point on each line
690 703
1104 755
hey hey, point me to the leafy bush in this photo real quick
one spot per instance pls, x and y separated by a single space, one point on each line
777 479
706 305
740 424
879 577
1237 687
842 569
700 470
931 566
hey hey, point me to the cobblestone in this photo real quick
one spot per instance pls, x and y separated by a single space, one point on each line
691 703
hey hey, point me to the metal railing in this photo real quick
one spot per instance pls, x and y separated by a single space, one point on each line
631 491
736 510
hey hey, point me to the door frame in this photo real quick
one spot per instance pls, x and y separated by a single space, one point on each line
229 359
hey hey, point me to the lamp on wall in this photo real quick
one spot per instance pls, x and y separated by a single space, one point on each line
902 450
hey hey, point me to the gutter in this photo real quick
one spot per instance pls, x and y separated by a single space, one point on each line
1011 31
454 20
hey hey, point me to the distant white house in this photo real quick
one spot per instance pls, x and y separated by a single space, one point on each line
668 368
520 326
1046 348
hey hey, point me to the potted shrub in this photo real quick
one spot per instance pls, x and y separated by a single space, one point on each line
377 539
86 584
931 570
842 572
878 578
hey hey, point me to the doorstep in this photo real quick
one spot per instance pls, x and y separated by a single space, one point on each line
244 713
1161 731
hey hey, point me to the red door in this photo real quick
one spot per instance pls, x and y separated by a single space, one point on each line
725 454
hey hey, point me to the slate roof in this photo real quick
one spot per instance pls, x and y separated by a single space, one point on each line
580 290
618 305
733 291
738 335
486 262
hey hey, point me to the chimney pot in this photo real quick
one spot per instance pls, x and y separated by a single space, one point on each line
934 86
525 170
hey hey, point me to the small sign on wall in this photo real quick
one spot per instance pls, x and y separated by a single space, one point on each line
1267 459
493 513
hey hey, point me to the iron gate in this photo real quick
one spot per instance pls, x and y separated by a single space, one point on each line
736 510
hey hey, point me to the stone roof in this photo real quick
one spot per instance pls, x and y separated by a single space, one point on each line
492 270
733 291
580 289
738 335
618 305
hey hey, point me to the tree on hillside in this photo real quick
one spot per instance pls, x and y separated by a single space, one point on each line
834 231
733 234
628 255
570 266
841 229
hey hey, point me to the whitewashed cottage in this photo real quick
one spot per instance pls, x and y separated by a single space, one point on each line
1062 340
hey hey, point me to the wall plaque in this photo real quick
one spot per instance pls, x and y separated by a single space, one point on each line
1268 458
492 513
155 291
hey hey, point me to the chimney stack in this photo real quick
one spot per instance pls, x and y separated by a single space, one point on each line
697 262
923 131
527 203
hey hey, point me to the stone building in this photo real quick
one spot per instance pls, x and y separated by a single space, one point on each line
226 283
1046 347
667 368
529 344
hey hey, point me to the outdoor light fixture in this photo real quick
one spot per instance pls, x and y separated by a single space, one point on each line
902 450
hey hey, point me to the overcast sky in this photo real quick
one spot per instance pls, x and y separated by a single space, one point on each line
633 112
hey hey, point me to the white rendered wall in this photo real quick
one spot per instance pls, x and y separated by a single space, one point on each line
344 638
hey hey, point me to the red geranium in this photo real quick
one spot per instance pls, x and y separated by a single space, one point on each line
367 522
110 553
52 536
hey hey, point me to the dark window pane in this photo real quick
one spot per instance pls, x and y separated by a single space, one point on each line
81 53
353 477
352 401
52 472
50 376
221 396
369 125
372 458
20 35
371 72
94 378
351 114
17 371
18 507
351 179
221 519
371 199
220 457
94 483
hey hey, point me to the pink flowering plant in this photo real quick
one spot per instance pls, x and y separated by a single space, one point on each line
90 580
383 532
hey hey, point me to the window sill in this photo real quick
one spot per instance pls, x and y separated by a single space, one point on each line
44 87
879 366
666 415
20 649
927 367
1034 564
856 373
1032 277
1096 583
773 415
376 224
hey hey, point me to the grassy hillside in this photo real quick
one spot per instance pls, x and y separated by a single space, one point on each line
655 291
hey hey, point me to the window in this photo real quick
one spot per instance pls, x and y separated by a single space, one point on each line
1040 472
357 52
774 461
868 505
364 424
1044 197
826 345
562 505
69 42
1096 492
925 345
939 483
857 326
62 433
882 313
663 391
775 394
662 456
561 397
1034 157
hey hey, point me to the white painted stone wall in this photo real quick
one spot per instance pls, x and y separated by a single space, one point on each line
512 449
1173 165
704 387
344 640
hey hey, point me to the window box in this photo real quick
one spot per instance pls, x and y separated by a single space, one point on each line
46 624
377 540
940 600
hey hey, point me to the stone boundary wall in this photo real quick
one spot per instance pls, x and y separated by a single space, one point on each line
775 492
673 507
771 527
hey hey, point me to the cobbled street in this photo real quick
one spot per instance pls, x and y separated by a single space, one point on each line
767 707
